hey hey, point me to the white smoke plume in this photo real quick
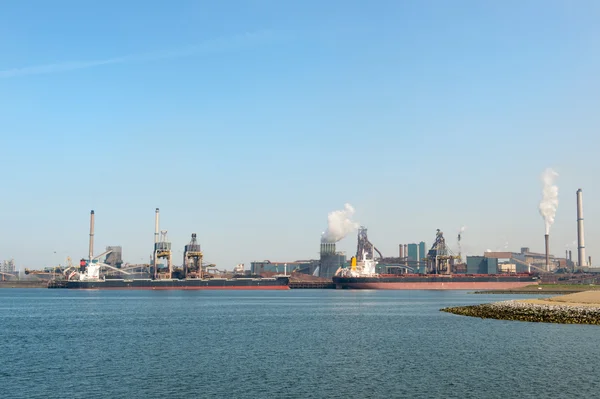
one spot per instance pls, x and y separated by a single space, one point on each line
549 202
339 224
461 232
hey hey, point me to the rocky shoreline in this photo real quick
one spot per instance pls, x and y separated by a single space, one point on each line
568 309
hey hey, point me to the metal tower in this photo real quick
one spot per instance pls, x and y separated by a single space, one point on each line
440 259
162 250
365 245
192 259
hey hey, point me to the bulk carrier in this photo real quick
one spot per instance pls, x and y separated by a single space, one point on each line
91 280
193 275
439 273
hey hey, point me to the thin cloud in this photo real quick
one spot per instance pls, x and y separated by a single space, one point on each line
214 45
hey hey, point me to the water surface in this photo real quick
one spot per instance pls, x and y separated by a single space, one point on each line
293 344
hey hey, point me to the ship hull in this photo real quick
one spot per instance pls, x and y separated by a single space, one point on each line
490 282
189 284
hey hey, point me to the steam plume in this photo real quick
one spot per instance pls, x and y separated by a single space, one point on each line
549 201
339 224
461 231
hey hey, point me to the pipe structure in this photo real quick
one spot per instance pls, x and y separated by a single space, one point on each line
546 238
154 259
91 254
580 235
156 226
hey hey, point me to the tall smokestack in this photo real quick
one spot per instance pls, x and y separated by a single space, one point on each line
91 254
401 252
580 239
156 226
589 261
547 252
571 261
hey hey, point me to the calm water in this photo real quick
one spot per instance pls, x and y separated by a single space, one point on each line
295 344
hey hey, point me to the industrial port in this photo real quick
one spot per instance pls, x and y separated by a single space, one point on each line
412 259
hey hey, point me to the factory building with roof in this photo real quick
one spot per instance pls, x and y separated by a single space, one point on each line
525 258
298 266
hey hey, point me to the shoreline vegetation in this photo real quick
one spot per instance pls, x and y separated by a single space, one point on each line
578 308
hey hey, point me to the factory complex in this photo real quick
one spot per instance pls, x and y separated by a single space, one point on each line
412 259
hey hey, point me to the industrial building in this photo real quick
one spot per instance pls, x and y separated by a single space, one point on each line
8 266
411 257
330 260
299 266
526 258
440 259
481 265
416 252
8 270
114 258
326 266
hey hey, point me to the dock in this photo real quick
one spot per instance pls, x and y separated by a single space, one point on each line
23 284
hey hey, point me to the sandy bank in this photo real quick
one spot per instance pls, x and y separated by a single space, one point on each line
586 298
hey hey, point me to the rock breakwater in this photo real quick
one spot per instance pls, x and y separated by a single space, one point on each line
534 312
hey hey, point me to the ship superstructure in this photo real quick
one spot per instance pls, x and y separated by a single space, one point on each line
363 268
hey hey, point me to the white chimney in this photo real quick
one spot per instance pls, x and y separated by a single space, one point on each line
580 239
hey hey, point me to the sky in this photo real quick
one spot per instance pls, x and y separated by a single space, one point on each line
247 122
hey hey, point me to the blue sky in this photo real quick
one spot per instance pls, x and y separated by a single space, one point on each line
246 122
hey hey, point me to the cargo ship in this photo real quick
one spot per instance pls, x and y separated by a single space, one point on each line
88 277
439 274
435 282
92 274
235 283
